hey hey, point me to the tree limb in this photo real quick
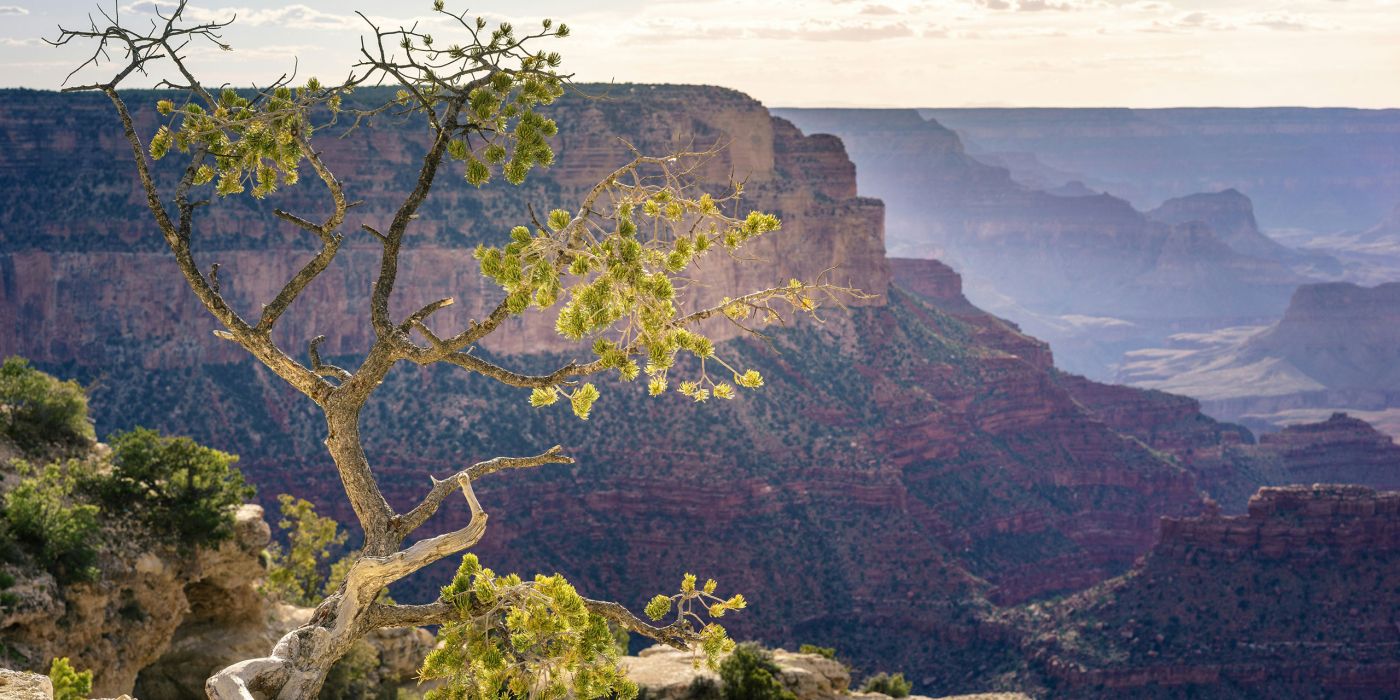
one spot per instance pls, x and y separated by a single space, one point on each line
405 524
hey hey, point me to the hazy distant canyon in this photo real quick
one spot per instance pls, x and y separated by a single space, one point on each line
1128 238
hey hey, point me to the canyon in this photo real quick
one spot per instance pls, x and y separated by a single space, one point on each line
1083 269
914 467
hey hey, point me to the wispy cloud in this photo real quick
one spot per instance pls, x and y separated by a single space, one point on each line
13 10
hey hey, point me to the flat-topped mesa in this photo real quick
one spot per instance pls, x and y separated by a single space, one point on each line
1341 335
95 281
1230 214
1322 521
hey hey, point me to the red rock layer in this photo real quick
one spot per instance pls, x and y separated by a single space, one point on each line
1296 599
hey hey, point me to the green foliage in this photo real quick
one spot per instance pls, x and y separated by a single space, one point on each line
175 485
296 573
522 638
892 685
750 674
68 682
354 677
704 688
38 410
692 604
44 516
827 652
615 279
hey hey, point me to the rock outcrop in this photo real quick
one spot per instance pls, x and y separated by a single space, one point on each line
664 673
19 685
1293 600
146 597
1230 214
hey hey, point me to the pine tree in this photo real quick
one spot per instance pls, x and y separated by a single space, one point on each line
611 268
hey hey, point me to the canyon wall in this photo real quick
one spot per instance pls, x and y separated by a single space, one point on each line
1293 600
1333 349
80 280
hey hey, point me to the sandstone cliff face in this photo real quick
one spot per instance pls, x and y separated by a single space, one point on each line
1293 600
146 598
80 283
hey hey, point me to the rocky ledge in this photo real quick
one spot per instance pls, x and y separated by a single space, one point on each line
664 673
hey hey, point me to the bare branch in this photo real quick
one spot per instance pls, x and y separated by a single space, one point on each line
320 367
678 635
405 524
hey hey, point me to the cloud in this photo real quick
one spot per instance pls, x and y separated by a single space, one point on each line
289 16
1042 5
820 30
1287 23
12 10
1205 21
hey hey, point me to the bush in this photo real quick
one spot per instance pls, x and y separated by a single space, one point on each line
827 652
68 682
702 688
750 674
177 486
353 677
37 410
297 574
894 686
44 519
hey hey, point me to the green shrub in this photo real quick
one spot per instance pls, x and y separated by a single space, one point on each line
892 685
828 652
44 519
750 674
703 688
352 677
68 682
298 573
37 410
177 486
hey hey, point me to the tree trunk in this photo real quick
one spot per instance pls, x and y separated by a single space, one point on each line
298 664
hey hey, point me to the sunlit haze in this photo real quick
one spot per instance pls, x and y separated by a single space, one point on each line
869 53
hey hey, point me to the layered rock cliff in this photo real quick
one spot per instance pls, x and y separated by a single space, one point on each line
1294 600
83 275
148 596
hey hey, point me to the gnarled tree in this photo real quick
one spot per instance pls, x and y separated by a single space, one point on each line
613 266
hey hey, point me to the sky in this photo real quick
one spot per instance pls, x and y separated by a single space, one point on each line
837 53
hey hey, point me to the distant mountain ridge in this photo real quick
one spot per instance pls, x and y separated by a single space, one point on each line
1326 170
